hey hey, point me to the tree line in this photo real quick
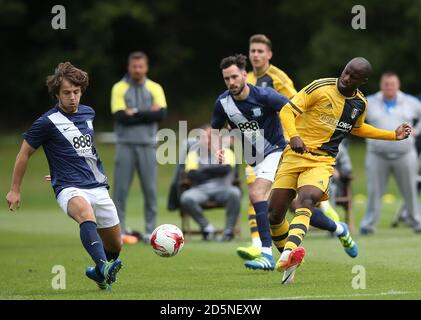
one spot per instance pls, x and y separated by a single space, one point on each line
186 40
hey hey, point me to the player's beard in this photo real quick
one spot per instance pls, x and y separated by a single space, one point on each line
238 92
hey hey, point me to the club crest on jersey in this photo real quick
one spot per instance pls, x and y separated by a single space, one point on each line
257 112
354 113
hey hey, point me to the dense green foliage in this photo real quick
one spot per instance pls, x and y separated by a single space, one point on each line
186 40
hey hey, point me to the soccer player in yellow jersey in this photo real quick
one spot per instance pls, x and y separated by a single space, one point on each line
317 119
264 74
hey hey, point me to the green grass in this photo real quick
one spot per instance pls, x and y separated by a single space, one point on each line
39 236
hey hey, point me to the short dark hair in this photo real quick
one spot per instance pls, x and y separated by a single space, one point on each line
261 38
389 74
137 55
65 70
239 60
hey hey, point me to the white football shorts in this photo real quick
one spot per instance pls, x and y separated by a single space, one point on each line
99 198
268 167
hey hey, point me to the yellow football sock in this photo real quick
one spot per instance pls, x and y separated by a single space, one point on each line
254 232
298 228
280 234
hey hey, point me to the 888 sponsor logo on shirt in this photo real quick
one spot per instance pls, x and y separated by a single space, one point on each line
82 143
249 126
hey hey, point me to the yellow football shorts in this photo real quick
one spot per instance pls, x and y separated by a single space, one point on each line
298 170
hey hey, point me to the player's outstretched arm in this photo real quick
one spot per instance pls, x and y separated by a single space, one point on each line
368 131
13 196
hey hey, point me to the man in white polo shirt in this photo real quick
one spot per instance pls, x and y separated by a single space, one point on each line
388 108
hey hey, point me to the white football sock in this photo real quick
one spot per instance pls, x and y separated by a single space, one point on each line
257 242
339 228
267 250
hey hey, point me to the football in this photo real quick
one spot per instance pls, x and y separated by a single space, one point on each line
167 240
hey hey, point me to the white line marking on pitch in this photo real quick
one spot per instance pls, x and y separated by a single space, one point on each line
389 293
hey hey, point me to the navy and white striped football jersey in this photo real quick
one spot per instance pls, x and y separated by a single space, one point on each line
258 113
68 143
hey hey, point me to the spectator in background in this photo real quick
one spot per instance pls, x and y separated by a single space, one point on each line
138 104
418 137
402 214
173 200
388 108
211 181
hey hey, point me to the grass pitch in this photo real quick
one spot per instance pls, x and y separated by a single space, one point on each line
39 236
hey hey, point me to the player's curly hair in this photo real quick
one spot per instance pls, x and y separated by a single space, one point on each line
65 70
239 60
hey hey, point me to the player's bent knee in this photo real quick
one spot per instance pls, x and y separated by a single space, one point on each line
82 216
306 203
257 195
80 210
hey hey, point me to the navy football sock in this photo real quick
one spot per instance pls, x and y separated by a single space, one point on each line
92 242
319 220
262 220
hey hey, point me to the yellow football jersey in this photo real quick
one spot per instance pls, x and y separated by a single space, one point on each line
324 116
275 78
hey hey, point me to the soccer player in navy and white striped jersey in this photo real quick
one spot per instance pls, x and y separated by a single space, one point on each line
67 136
254 111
